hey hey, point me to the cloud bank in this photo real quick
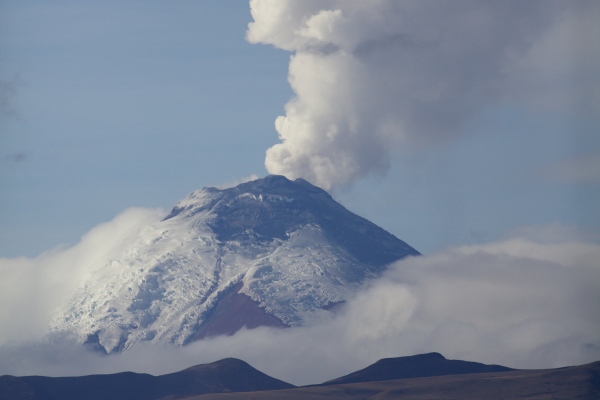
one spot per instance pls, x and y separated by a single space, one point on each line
528 301
31 289
372 78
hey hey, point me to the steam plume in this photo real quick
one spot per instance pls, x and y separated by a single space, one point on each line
373 77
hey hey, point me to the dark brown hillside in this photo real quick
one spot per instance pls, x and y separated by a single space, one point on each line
582 382
232 379
228 375
422 365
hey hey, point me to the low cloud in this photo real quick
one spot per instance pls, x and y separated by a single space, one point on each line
31 289
529 301
372 79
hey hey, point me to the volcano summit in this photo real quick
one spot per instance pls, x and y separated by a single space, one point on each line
269 252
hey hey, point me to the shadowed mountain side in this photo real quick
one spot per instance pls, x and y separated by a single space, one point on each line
227 375
582 382
422 365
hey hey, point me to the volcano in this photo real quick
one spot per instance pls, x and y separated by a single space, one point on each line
270 252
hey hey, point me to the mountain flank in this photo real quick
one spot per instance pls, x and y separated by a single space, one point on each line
432 377
580 382
227 375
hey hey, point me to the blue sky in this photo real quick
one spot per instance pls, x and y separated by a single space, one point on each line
126 104
112 105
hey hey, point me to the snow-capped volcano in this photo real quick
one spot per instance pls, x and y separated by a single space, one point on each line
267 252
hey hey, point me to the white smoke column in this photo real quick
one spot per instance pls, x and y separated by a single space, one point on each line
371 77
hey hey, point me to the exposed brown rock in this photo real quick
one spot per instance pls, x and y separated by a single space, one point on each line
233 312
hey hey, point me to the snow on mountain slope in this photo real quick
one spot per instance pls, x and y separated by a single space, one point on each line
286 245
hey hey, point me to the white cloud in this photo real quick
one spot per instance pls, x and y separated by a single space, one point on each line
519 302
31 289
375 77
561 70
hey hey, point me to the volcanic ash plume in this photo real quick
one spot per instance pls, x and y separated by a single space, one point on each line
372 76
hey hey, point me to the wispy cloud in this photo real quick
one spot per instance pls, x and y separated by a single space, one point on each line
31 289
8 93
16 157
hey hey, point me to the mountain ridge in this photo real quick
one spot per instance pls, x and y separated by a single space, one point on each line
233 379
222 376
417 366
